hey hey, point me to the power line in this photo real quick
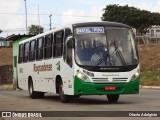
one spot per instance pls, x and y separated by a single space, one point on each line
55 14
23 29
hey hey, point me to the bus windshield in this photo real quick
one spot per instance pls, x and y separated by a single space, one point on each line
105 46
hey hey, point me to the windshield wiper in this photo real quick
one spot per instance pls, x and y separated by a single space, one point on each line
101 61
121 58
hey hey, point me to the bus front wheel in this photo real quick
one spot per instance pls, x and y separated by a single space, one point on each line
113 98
63 98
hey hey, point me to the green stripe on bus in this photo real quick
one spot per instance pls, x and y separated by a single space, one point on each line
83 88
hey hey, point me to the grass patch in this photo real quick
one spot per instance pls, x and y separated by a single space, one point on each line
150 78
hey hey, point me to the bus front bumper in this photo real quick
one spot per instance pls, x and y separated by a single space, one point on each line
84 88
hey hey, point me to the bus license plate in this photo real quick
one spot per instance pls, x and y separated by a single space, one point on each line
110 88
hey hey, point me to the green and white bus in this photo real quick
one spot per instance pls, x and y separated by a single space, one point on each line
90 58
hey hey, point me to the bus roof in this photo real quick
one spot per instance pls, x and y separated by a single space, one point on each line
44 34
102 23
83 24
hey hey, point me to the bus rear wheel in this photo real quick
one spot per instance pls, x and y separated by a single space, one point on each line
63 98
113 98
33 94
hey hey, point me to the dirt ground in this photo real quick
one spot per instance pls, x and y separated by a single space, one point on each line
149 57
149 64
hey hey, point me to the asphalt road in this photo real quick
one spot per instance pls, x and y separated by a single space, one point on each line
146 100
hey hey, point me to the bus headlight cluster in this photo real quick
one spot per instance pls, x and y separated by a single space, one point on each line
82 76
135 75
88 73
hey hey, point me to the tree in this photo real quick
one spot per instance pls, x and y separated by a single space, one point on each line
142 20
35 29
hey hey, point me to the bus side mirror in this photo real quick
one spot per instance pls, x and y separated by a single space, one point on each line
70 42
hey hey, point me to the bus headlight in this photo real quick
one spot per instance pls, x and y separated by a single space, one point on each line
135 75
88 73
83 77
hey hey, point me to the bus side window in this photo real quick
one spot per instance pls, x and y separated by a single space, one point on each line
67 33
58 44
48 46
69 53
39 52
20 57
26 52
32 50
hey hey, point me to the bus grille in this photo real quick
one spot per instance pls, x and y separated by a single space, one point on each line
100 80
106 80
120 80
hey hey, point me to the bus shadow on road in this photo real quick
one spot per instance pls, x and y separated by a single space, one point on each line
88 100
52 98
96 101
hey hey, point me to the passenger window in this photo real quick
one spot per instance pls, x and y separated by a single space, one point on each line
69 53
39 53
20 57
58 44
26 52
32 51
48 46
67 33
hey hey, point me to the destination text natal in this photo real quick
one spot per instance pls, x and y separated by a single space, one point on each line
42 68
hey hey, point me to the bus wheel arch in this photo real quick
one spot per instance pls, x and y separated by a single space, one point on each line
59 89
58 82
33 94
29 80
31 87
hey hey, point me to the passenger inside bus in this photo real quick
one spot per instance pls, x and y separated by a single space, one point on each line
100 54
84 50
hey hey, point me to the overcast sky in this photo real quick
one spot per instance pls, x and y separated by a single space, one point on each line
12 12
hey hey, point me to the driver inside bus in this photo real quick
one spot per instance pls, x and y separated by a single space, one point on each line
100 53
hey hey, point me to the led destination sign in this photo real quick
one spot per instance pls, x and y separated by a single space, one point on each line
84 30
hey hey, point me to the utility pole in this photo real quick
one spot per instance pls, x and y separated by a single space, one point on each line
38 19
26 14
50 21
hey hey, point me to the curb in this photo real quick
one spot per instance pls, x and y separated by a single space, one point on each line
150 87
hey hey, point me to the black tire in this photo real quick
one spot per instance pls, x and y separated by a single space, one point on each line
33 94
113 98
63 98
76 96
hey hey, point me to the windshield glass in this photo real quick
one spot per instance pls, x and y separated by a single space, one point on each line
110 46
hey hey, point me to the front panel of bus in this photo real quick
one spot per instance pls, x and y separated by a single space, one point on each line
106 60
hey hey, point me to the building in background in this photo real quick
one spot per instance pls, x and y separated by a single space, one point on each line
6 63
154 34
15 43
151 37
4 42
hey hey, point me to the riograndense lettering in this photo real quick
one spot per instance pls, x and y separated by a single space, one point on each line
42 68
